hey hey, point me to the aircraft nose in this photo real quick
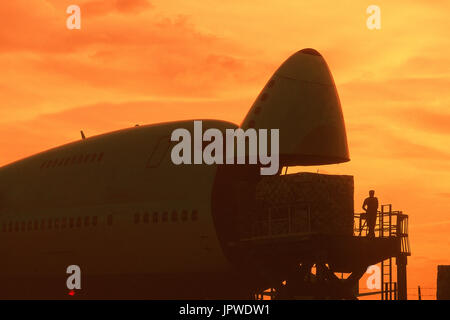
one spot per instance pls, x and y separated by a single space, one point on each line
306 65
301 100
312 51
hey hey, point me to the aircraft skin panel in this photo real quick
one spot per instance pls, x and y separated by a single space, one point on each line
125 182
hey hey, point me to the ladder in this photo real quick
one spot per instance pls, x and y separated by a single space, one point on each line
388 286
387 228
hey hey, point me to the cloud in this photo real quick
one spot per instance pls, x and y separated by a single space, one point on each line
40 28
444 194
423 65
402 118
102 7
432 121
378 139
156 71
405 149
399 91
46 68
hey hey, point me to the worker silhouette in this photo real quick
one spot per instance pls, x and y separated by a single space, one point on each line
370 205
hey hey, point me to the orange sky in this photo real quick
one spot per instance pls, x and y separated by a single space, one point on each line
136 61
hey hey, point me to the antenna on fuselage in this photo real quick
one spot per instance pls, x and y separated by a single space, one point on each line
82 135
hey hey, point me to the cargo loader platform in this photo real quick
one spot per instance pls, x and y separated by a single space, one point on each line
297 234
320 258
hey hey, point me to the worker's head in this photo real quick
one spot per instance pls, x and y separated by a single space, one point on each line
371 193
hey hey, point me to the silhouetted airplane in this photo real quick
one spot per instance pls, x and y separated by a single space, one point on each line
139 226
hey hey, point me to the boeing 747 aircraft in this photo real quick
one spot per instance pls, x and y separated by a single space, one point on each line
139 226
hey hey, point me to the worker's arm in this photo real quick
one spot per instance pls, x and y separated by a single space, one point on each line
364 206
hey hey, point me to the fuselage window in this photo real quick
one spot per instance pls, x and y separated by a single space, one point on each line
174 216
184 215
75 159
194 215
69 222
136 218
155 217
145 217
164 217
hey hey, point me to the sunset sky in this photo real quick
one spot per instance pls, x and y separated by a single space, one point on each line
141 62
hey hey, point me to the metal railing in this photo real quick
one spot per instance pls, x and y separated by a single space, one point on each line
282 221
388 224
